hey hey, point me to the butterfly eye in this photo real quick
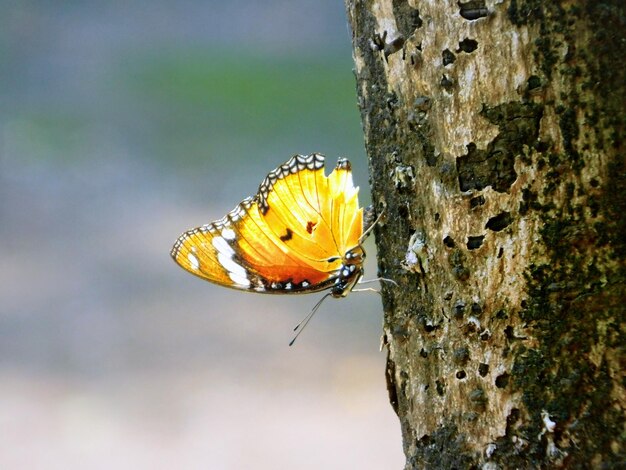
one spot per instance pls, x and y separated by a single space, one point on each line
355 254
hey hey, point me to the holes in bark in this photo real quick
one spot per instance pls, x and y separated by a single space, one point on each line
483 369
423 353
475 242
403 211
407 18
499 222
533 82
476 201
440 387
500 252
509 333
518 125
379 43
502 380
449 242
461 375
448 57
541 147
446 83
476 309
459 309
473 10
513 417
481 168
468 45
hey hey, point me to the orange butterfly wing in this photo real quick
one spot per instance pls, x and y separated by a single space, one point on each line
293 236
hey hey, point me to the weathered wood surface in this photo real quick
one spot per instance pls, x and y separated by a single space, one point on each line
495 136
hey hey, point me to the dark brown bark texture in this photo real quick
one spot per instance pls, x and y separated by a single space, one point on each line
495 136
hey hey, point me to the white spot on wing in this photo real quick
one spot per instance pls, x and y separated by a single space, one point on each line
222 247
232 267
228 234
239 280
225 254
193 260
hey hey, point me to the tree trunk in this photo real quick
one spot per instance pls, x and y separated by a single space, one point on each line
495 132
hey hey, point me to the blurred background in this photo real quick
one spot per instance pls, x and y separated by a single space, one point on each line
122 124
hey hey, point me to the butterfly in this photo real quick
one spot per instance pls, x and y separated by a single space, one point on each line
302 232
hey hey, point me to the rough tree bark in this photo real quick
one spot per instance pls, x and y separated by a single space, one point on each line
494 130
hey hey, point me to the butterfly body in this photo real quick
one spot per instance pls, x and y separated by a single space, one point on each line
300 233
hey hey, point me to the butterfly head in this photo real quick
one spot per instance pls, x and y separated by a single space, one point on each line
349 273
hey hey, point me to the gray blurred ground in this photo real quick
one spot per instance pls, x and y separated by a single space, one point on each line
121 126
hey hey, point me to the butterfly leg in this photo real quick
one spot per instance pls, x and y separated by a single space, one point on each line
367 289
379 279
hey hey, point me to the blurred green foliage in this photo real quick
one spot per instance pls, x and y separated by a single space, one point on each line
209 106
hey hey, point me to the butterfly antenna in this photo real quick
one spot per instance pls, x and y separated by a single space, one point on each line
370 227
300 326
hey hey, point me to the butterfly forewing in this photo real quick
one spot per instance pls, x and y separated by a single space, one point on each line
292 236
